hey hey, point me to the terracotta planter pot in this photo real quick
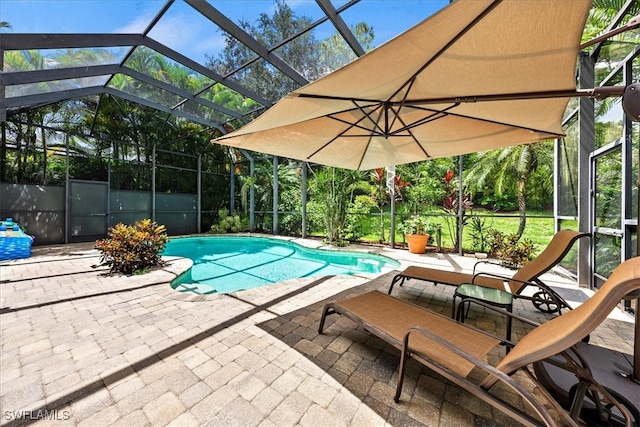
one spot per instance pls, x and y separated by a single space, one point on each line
417 242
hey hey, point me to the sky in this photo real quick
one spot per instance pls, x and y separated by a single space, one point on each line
185 30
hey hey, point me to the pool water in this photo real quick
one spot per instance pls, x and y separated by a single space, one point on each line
223 264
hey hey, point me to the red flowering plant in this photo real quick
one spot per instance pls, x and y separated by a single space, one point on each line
400 186
450 205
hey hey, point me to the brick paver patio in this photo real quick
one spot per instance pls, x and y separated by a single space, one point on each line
82 348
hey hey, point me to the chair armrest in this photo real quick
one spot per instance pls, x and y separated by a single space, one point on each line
511 279
502 311
499 276
484 262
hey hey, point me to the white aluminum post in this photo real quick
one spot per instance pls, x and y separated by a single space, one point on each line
391 185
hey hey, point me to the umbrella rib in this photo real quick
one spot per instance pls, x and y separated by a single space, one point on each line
477 19
351 126
368 116
413 136
384 111
404 98
356 124
323 146
439 113
335 98
490 121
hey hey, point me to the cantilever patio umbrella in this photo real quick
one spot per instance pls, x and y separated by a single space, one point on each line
479 74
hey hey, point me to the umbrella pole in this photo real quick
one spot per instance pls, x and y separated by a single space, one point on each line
460 207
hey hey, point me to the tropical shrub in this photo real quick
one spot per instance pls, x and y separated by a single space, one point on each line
333 189
133 249
357 218
229 223
502 203
479 234
509 249
290 219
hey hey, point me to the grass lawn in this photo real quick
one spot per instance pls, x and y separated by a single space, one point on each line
539 228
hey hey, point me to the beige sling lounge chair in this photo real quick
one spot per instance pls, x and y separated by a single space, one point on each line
545 299
454 349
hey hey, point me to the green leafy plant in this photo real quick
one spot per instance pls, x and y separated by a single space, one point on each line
357 217
417 225
229 223
334 190
479 234
509 249
133 249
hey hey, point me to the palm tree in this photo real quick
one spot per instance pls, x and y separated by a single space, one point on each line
512 167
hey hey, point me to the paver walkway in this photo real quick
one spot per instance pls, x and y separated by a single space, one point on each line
82 348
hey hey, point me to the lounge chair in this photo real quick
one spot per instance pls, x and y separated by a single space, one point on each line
545 299
454 349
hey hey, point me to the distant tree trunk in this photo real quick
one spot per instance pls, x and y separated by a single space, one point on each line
382 238
522 205
21 139
44 156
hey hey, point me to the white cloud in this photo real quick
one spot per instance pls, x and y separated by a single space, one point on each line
210 45
139 23
180 32
176 32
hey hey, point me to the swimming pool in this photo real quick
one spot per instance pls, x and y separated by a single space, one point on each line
223 264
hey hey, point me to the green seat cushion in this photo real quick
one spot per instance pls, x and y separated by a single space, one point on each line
490 295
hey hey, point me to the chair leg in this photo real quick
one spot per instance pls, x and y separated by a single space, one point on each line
460 314
509 324
403 365
325 312
397 278
453 308
578 399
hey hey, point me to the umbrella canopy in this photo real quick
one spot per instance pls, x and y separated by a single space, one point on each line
418 96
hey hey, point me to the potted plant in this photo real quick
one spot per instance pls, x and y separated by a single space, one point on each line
417 231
